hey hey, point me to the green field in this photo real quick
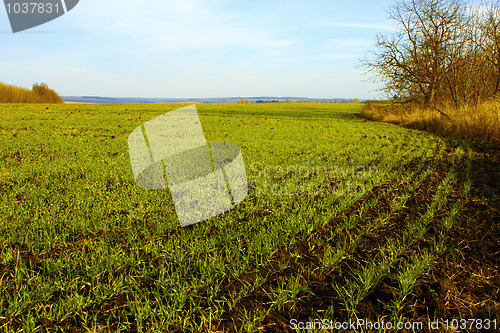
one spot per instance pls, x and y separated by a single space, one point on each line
345 219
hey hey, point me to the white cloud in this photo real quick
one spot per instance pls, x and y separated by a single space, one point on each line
164 26
359 25
339 56
76 69
343 43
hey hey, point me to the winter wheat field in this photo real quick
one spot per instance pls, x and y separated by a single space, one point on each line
346 221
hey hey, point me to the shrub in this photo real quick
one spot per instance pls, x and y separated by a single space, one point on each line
40 93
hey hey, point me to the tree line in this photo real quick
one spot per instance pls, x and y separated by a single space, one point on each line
40 93
442 52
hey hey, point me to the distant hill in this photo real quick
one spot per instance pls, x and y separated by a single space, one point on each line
40 93
262 99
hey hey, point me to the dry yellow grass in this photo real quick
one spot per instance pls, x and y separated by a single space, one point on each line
481 123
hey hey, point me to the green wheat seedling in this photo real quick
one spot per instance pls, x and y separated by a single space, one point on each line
285 292
439 200
423 263
332 257
357 220
448 221
468 167
407 278
368 276
250 321
461 157
98 253
372 273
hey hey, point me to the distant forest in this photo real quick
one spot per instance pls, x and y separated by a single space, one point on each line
40 93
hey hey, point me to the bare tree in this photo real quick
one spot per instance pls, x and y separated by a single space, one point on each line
489 25
442 52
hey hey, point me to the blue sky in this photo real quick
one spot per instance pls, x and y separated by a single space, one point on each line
199 48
